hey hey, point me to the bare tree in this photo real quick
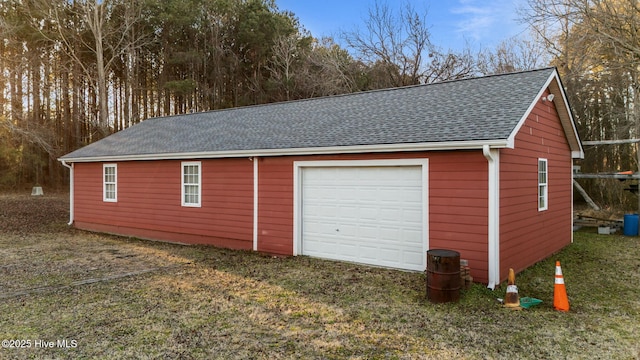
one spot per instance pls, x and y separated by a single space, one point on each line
328 70
281 67
513 54
399 46
398 41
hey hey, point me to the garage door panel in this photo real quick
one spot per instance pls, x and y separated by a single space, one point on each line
411 236
415 259
368 213
368 232
412 216
411 197
389 234
367 193
350 231
348 212
392 216
371 215
389 255
321 210
323 246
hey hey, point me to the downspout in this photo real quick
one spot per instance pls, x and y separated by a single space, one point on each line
493 158
255 202
70 191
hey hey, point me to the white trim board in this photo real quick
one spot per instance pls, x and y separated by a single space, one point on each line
255 203
330 150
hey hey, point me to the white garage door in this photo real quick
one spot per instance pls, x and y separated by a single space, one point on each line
370 215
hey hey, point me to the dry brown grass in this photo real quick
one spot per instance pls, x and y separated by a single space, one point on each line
155 300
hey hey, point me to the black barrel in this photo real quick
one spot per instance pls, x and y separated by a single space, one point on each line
443 275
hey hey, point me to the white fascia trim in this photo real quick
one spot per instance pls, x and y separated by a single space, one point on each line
493 158
512 137
576 154
434 146
70 191
255 203
297 191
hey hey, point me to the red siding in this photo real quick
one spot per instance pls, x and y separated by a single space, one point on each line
149 203
526 234
457 202
275 205
458 198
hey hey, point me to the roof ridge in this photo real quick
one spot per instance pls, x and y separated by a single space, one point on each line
390 89
434 113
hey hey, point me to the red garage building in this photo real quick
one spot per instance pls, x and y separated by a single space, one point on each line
482 166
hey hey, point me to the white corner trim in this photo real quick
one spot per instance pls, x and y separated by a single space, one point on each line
571 191
297 208
255 203
71 186
298 166
493 158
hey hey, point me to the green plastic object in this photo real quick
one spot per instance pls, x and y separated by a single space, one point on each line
527 302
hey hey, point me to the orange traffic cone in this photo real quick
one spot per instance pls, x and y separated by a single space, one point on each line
511 299
560 300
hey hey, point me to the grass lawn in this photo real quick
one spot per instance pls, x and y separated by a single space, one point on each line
114 297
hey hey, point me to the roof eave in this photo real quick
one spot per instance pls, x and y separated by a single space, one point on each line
353 149
577 154
554 85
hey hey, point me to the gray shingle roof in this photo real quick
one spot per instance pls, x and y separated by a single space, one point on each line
478 109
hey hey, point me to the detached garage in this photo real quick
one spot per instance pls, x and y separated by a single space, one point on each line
482 166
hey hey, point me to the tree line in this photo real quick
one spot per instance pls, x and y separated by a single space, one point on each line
75 71
595 44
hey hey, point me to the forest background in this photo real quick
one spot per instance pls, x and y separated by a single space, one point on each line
75 71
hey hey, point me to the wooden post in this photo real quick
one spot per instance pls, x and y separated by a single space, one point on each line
586 196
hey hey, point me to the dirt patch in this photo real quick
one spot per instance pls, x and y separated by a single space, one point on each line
39 251
25 214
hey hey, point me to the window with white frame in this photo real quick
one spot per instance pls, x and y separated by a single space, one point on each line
110 182
191 184
543 185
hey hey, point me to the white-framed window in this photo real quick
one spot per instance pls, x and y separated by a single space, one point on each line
110 182
191 183
543 185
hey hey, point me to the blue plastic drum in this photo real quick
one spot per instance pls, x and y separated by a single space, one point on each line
631 224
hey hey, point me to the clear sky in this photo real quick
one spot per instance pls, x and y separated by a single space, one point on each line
452 23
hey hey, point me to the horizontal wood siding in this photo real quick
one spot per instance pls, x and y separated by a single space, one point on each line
275 205
526 234
457 202
149 202
458 212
